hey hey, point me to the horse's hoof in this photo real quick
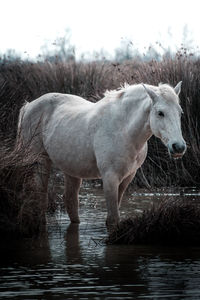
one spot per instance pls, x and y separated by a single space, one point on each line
111 224
75 221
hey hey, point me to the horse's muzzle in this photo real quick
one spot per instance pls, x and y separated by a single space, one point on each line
177 149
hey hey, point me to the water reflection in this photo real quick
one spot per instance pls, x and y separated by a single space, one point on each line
28 252
73 249
70 261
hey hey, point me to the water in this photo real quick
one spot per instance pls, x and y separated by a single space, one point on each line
72 262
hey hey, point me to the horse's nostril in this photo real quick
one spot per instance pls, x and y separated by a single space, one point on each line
174 147
178 148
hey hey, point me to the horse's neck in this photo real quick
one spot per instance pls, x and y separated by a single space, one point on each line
138 121
129 115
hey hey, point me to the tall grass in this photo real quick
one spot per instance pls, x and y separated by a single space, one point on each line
20 213
171 222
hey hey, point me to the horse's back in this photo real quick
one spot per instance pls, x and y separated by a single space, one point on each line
51 101
35 116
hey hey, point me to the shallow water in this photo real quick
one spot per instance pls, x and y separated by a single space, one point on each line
72 262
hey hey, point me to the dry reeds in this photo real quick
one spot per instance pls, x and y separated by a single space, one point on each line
172 222
20 212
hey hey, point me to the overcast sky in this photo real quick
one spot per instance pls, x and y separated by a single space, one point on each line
26 25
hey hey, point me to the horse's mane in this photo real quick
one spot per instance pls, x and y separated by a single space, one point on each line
118 93
164 89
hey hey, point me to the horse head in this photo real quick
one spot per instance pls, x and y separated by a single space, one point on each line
165 117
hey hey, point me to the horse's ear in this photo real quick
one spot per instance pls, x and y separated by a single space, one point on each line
151 93
177 88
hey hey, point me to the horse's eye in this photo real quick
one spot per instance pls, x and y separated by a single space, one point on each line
161 114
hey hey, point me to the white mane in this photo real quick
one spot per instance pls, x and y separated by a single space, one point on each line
165 90
118 92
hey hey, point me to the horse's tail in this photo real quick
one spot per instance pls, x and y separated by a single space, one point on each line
18 143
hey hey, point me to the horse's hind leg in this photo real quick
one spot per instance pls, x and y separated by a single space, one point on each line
41 175
32 216
72 186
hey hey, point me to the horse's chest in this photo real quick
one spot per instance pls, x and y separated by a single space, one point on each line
136 158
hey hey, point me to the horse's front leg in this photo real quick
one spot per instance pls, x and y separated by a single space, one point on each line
123 186
111 187
72 186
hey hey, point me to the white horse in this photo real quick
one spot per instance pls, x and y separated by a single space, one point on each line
107 139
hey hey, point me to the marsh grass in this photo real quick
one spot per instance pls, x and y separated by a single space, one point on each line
172 222
20 212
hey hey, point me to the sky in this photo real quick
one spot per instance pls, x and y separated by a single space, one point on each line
27 25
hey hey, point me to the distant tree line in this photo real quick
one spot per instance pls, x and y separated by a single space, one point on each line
61 49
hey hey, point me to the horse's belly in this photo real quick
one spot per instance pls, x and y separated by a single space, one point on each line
74 160
70 147
80 169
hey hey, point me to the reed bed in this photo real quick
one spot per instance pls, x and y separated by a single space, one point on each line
20 212
172 222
